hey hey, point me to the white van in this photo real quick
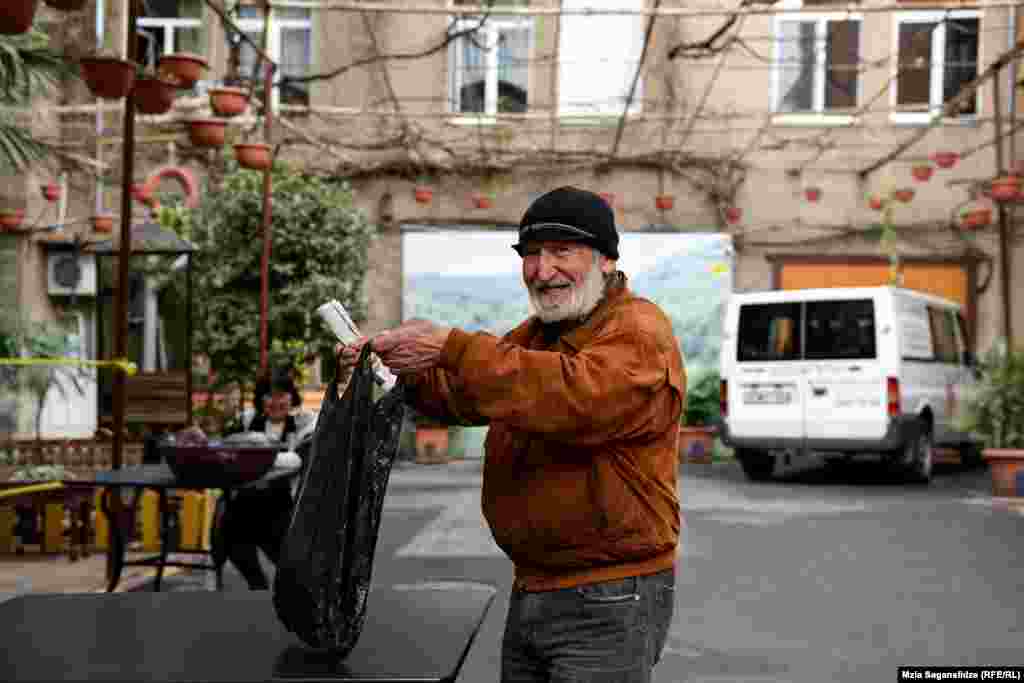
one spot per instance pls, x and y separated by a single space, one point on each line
840 372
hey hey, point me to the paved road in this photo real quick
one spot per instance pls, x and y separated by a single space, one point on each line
827 576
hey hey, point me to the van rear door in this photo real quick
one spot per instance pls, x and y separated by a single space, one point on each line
766 399
845 389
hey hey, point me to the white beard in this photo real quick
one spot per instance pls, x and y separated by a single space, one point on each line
581 303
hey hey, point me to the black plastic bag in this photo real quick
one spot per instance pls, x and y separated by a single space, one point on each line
323 573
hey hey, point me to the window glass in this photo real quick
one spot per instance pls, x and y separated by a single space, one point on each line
943 335
961 65
769 332
840 330
841 64
937 57
817 65
913 85
489 68
796 66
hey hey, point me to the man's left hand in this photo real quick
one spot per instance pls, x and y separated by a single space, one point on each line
413 346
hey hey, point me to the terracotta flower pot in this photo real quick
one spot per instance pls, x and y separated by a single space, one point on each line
812 194
733 214
11 219
51 192
66 5
664 202
922 173
208 132
876 203
1004 189
945 159
903 195
253 155
139 193
431 444
153 95
108 78
423 195
103 223
17 16
696 444
608 197
481 201
1006 466
183 68
228 101
975 218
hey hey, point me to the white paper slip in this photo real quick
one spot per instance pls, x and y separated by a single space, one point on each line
337 318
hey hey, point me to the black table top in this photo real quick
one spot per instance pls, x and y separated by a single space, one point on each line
416 633
161 476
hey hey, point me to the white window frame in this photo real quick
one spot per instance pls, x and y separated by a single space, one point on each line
488 36
568 111
818 115
253 25
938 66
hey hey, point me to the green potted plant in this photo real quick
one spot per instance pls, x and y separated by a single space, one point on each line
993 412
697 432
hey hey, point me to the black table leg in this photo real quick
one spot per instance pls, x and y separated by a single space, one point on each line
218 546
165 537
116 540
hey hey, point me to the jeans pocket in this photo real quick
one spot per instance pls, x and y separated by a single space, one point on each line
616 592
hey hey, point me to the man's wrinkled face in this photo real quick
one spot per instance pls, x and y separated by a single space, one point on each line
565 280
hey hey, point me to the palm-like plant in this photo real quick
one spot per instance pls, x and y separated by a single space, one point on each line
28 69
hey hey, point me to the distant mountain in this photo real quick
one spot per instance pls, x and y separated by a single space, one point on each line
482 288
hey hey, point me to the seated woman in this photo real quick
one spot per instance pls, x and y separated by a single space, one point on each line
258 517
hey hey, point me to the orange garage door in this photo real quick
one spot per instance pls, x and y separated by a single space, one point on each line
947 280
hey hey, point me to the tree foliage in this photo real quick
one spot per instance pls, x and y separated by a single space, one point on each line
319 252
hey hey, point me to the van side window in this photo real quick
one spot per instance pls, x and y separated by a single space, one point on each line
769 332
840 330
943 336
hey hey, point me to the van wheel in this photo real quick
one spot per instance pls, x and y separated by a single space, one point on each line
918 457
757 465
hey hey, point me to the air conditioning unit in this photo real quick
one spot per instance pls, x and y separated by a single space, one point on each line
69 272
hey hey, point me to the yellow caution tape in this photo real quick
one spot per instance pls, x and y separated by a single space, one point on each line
128 367
14 492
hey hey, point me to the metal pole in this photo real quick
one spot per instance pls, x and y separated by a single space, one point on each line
268 114
1004 223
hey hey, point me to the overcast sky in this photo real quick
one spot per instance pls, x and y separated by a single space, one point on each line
482 253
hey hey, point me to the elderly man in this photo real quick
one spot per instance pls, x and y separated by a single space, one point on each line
583 401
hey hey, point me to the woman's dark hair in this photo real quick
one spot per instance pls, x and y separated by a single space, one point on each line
279 380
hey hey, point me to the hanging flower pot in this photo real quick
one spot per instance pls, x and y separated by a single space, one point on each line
66 5
922 172
17 16
153 95
482 201
904 194
207 132
945 159
733 214
11 219
813 194
108 78
664 202
608 197
253 155
876 203
1004 189
103 223
973 219
423 194
228 101
139 193
51 192
182 68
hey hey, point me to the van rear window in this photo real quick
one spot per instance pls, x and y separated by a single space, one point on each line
816 330
769 332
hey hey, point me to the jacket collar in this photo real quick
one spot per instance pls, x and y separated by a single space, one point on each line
575 334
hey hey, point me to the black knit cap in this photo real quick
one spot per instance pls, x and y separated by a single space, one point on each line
570 213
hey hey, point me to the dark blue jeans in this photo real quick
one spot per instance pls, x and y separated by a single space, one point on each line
606 632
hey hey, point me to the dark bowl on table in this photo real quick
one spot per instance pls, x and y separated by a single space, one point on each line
220 465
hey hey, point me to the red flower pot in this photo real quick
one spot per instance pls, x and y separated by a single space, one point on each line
207 132
664 202
975 218
945 159
228 101
608 197
108 78
11 219
876 203
253 155
153 95
66 5
482 201
103 223
139 193
903 195
813 194
17 16
182 68
51 192
922 173
1004 189
732 214
423 195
